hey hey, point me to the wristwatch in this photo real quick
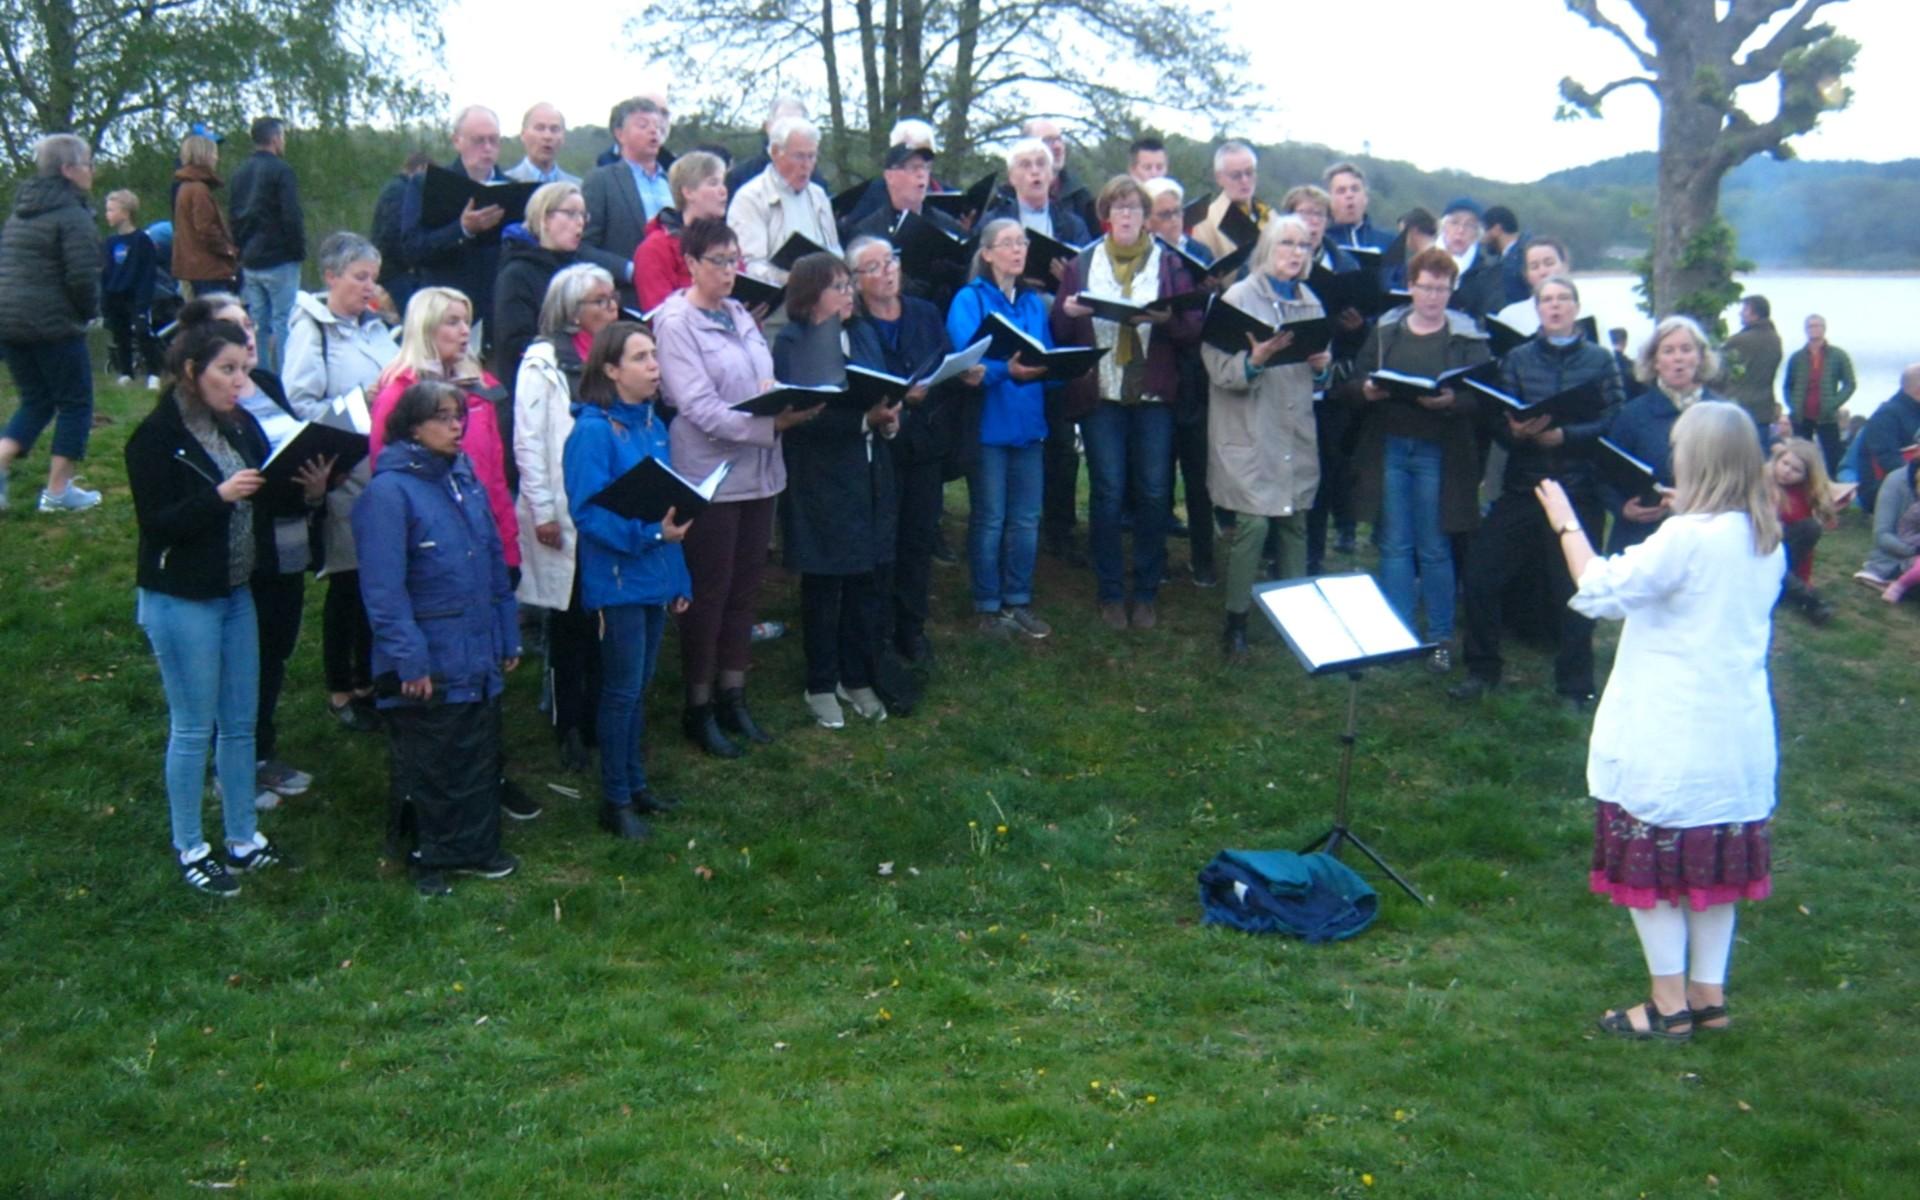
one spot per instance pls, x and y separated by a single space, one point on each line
1569 527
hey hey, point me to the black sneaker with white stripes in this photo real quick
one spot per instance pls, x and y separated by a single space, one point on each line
499 866
208 874
259 856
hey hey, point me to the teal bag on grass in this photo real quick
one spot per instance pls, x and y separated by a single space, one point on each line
1315 896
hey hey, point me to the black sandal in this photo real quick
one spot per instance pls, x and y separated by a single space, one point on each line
1659 1025
1713 1012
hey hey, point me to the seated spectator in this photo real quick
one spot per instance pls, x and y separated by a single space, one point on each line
838 515
1893 427
699 187
1896 533
1797 472
782 201
445 633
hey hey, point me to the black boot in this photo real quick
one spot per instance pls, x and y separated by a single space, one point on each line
624 822
1233 640
574 755
735 719
703 730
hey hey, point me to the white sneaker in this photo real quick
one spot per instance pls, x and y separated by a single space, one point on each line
124 380
153 383
826 710
864 700
74 499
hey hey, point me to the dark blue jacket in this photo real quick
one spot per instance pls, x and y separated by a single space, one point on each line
1068 226
1014 414
621 560
1536 370
1643 428
1362 233
446 256
928 428
433 576
1312 896
1892 427
127 268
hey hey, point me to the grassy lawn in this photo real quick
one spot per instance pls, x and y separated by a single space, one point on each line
1023 1004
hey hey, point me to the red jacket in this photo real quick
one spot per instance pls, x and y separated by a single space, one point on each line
659 269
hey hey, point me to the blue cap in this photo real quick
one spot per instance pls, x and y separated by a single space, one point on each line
1462 204
201 129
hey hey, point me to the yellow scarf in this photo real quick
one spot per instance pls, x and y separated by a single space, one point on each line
1126 262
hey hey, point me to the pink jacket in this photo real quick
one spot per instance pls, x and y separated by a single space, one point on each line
705 369
482 446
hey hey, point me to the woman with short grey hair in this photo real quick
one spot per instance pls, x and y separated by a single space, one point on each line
337 344
49 291
579 303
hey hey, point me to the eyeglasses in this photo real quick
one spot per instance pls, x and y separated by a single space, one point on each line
450 417
1432 289
1241 173
600 301
843 286
1290 244
889 263
1008 243
1117 209
722 262
578 214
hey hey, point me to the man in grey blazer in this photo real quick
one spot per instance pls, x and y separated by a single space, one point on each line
626 193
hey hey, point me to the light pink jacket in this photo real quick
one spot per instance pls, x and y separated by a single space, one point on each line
705 369
480 443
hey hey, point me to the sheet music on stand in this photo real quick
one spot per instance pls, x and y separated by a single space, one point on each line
1337 622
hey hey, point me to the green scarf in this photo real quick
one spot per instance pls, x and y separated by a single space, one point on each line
1126 262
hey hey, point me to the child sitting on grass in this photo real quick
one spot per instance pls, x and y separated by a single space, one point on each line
1806 502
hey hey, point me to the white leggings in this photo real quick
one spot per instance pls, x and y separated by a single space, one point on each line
1677 940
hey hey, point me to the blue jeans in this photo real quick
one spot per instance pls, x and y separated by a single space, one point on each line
1003 532
268 293
55 381
1129 458
629 651
209 652
1410 532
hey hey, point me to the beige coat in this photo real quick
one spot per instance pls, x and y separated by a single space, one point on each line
1208 234
1262 454
759 219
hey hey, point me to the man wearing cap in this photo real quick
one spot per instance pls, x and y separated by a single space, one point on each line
1478 289
910 133
906 174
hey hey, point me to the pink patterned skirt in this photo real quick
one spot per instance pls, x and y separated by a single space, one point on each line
1636 864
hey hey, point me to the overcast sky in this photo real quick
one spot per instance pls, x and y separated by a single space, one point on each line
1365 76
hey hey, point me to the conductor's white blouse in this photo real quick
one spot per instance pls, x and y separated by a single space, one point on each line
1684 735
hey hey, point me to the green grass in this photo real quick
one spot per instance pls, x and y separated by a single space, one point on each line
748 1007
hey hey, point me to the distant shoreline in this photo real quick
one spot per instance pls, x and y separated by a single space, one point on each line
1774 272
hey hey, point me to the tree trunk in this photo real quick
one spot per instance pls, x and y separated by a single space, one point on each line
836 99
877 119
960 87
911 97
55 109
1687 203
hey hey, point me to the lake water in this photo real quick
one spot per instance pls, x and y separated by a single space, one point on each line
1874 317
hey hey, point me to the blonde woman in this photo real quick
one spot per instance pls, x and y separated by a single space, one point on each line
556 219
1682 763
1673 366
205 257
1262 451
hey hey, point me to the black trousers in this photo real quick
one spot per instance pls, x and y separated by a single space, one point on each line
445 800
1334 498
573 665
130 339
346 639
277 602
908 584
840 619
1190 458
1059 479
1516 541
1827 433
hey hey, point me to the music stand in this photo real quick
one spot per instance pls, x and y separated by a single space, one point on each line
1341 623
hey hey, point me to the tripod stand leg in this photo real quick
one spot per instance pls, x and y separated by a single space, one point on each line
1382 864
1328 842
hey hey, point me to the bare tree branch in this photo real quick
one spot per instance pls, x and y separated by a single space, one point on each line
1789 37
1589 10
